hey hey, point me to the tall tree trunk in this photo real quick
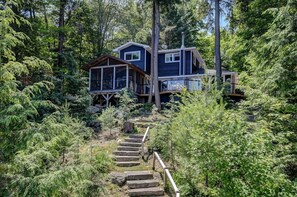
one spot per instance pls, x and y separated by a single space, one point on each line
152 56
155 54
218 45
61 39
61 36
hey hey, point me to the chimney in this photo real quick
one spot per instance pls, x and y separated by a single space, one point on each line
183 40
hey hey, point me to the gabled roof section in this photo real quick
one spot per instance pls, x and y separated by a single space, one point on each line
130 44
100 61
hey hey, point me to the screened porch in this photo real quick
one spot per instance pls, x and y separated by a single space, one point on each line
113 78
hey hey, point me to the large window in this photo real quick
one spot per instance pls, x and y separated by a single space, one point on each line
132 56
172 57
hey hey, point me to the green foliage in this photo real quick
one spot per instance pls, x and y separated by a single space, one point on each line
39 141
102 162
50 163
264 46
108 118
127 105
218 153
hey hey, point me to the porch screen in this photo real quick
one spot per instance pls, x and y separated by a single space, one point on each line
121 75
108 78
95 79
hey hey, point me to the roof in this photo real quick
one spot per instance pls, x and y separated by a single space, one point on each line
130 44
103 58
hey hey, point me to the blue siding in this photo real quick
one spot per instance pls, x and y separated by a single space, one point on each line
139 63
148 62
167 69
188 62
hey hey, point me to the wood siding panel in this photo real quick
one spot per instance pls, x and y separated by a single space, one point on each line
148 62
167 69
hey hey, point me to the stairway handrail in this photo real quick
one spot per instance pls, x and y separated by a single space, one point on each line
144 139
166 173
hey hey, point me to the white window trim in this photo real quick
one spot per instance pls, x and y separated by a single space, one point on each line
172 54
131 52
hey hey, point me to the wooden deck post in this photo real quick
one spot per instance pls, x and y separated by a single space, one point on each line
101 82
134 79
107 98
127 78
114 78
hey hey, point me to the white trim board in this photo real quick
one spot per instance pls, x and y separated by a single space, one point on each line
117 65
172 54
182 76
130 44
131 52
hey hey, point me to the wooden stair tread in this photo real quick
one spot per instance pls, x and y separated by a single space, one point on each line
127 163
152 191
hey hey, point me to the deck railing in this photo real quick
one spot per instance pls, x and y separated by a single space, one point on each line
179 84
166 173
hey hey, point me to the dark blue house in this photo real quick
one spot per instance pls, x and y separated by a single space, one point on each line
177 69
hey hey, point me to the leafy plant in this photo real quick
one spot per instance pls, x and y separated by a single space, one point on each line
108 118
127 104
218 152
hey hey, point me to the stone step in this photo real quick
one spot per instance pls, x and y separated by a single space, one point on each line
132 144
127 163
152 191
139 175
138 140
142 184
136 136
126 153
126 158
128 148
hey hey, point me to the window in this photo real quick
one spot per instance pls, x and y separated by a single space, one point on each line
132 56
172 57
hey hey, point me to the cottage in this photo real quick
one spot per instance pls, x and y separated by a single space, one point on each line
177 69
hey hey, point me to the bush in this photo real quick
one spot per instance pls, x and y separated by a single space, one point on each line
128 106
218 153
102 162
108 118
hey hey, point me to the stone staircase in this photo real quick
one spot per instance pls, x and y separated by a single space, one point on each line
140 183
127 153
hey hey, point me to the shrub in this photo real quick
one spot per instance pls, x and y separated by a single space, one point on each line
108 118
218 153
102 162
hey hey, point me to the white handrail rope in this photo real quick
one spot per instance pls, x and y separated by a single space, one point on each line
146 135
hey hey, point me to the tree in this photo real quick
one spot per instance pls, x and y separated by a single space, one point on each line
217 152
127 104
218 42
155 52
108 118
155 46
